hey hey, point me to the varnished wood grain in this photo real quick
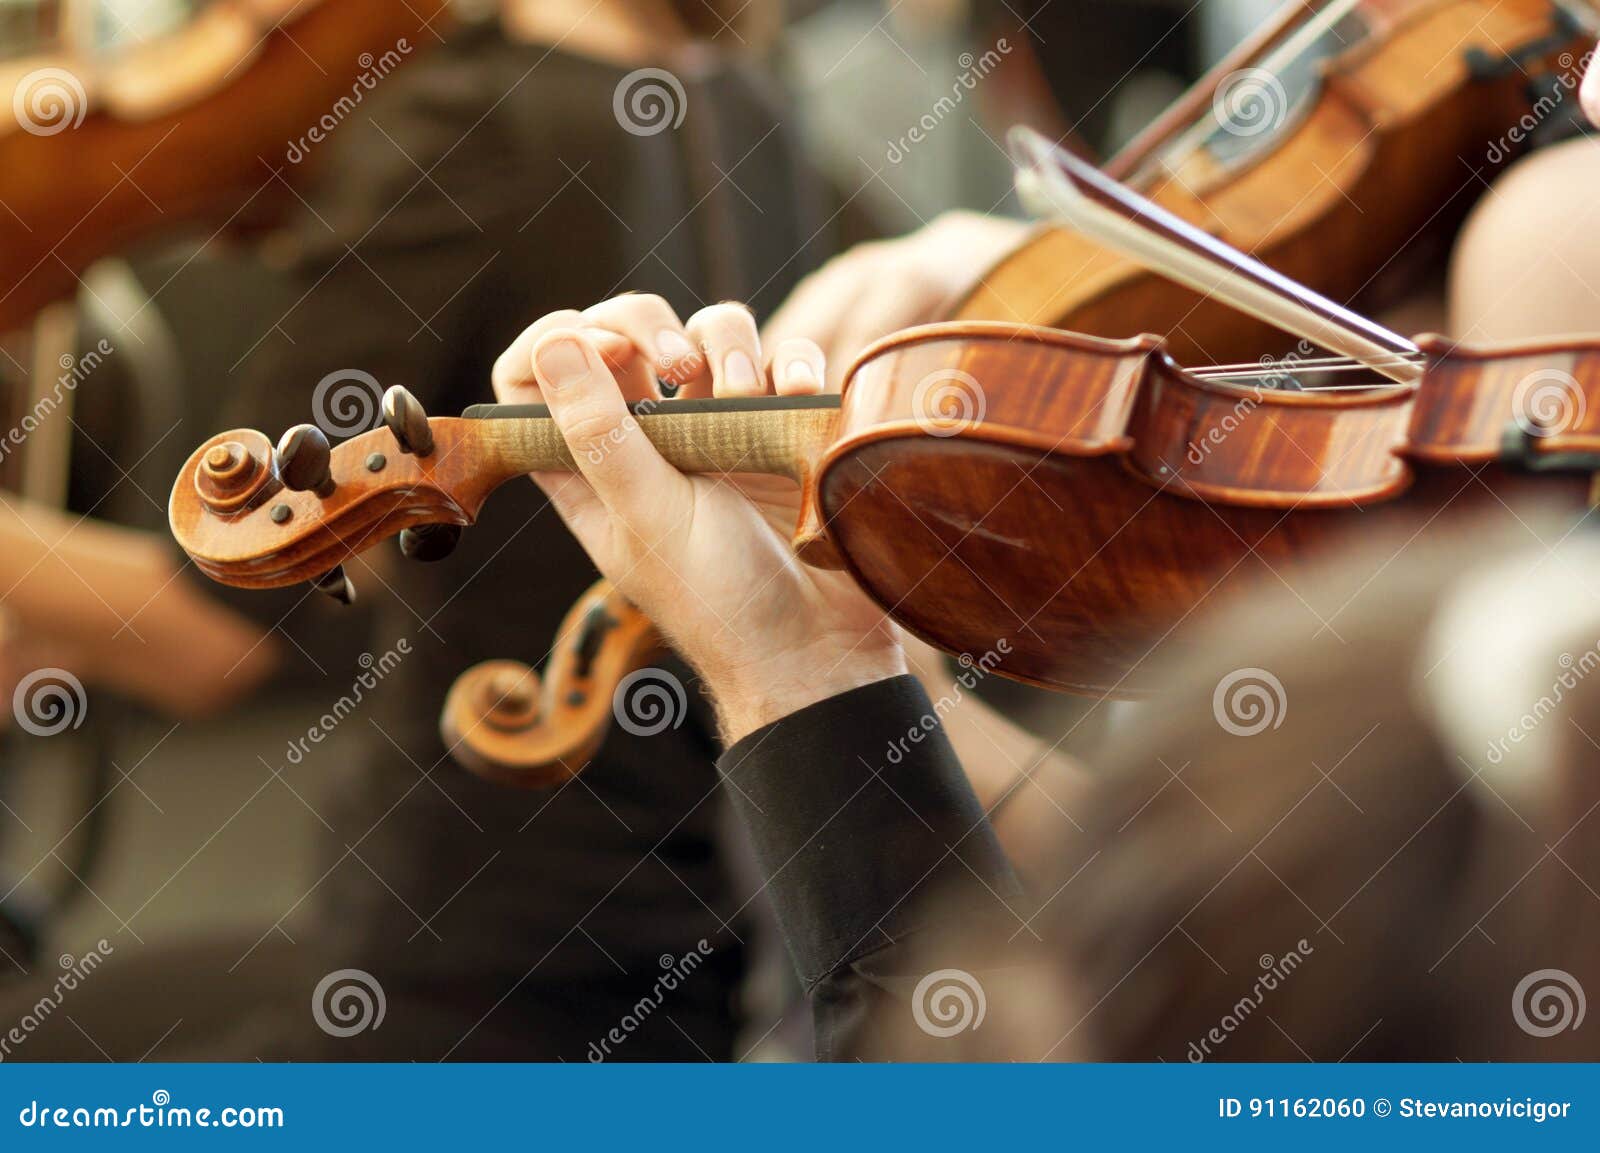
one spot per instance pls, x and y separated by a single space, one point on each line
91 190
504 722
1108 500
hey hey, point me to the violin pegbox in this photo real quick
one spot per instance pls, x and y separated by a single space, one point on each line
258 516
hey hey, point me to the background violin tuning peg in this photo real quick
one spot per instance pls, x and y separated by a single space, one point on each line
303 459
429 542
336 584
405 418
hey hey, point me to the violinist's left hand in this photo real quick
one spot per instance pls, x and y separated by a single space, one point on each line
708 560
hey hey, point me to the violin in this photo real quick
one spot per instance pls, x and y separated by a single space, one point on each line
1062 504
1104 495
101 150
1342 138
502 722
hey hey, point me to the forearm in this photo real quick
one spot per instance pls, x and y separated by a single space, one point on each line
111 606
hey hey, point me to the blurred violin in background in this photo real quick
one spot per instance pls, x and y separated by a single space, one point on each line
504 722
105 142
1343 144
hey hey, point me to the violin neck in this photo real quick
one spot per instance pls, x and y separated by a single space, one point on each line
778 436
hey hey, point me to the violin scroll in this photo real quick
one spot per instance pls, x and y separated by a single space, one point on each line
502 722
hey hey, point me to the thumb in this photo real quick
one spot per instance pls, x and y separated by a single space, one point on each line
612 453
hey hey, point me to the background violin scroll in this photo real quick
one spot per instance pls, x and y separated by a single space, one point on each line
506 724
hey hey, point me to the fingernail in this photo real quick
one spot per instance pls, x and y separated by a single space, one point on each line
673 345
801 372
562 363
739 372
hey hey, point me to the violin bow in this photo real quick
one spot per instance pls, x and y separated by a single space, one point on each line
1054 183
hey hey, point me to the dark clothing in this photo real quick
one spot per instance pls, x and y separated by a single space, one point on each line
859 811
486 185
1088 50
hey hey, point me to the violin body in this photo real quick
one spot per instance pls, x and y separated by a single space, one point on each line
1094 500
153 145
1383 136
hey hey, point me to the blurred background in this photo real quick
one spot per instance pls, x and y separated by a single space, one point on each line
258 213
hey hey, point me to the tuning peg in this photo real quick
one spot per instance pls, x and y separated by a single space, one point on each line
337 585
405 418
303 459
429 542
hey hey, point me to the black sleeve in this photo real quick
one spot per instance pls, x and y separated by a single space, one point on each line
871 844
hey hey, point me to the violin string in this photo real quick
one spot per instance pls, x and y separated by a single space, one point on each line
1315 363
1289 379
1248 376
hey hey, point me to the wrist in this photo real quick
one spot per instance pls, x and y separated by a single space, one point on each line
750 697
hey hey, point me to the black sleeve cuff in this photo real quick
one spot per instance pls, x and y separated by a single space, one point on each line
859 811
